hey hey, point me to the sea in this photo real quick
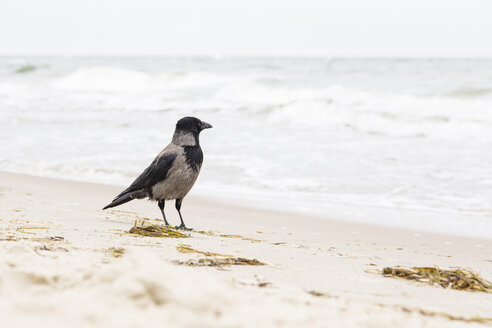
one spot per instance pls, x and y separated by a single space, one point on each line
387 141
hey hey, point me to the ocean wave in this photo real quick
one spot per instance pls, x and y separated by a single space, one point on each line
103 79
117 79
191 80
395 115
335 107
381 120
470 92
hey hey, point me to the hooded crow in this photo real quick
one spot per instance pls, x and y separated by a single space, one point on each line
173 172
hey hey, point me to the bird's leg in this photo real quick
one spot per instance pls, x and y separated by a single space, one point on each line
161 204
178 207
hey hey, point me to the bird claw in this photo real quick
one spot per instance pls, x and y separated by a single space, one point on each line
183 227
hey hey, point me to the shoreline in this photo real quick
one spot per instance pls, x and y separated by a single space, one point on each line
231 205
421 220
303 254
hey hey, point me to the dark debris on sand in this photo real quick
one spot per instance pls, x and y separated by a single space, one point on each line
214 262
156 230
461 279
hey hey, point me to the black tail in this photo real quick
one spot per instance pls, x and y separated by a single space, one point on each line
119 200
125 198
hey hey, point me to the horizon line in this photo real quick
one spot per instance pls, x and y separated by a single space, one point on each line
222 56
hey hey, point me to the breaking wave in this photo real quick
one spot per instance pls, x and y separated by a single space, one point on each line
326 106
117 79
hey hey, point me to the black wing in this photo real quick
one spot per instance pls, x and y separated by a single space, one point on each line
155 173
141 187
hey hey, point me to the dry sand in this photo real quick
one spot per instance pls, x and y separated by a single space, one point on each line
319 272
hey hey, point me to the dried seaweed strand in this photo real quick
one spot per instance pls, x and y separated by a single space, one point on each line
156 230
211 233
214 262
461 279
187 249
115 251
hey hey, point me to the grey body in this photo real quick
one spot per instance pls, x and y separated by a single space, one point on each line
180 178
173 172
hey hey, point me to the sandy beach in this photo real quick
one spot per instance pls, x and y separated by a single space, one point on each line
66 263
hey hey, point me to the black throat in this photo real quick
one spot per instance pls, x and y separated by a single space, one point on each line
194 156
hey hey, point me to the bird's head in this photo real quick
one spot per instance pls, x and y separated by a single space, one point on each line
188 129
191 124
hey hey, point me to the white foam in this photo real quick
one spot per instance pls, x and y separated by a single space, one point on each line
103 79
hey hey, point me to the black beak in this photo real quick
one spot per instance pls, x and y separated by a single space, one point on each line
205 125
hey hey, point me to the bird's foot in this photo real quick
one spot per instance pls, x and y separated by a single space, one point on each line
183 227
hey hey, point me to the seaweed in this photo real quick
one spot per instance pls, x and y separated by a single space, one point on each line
213 260
56 238
122 212
461 279
156 230
49 249
220 262
9 238
187 249
238 236
319 294
115 251
48 240
211 233
23 229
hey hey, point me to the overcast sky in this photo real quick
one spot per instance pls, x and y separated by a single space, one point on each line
251 27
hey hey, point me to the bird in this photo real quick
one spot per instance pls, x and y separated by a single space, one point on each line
172 174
